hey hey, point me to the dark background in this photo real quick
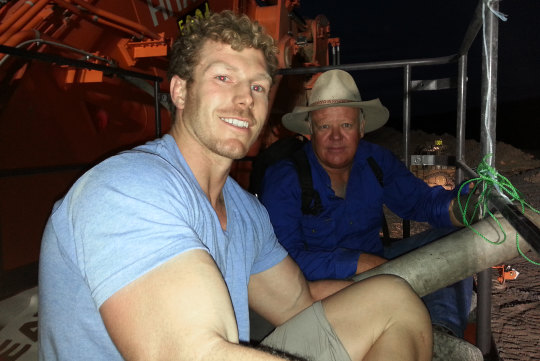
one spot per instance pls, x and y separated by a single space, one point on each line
396 29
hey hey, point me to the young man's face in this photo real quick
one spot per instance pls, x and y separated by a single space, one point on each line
227 102
336 132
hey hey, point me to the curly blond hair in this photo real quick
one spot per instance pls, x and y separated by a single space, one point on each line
226 27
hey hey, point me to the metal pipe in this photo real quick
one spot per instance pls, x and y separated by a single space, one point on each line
118 19
406 131
59 60
456 256
15 16
501 202
487 140
370 66
406 113
98 20
23 20
474 27
35 37
461 114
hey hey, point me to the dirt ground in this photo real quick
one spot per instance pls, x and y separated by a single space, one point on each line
516 303
515 311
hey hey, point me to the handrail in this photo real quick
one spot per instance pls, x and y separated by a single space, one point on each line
370 65
60 60
472 31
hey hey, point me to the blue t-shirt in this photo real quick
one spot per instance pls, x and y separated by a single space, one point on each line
126 216
327 246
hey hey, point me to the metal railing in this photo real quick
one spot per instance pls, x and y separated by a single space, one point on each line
486 19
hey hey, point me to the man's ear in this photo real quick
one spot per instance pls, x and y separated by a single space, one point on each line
362 127
178 91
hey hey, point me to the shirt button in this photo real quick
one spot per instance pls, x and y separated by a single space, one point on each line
313 231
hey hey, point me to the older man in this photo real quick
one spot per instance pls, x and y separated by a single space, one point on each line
343 239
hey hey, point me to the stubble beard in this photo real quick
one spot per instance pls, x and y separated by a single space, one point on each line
228 148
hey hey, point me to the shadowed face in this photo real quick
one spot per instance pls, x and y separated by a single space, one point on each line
336 132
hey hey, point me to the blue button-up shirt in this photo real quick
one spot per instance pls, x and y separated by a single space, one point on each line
327 246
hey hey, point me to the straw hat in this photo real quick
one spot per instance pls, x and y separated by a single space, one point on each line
336 88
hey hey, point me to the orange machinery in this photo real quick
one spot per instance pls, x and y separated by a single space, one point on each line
57 119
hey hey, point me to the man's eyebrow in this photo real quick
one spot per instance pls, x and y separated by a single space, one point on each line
259 76
218 63
264 76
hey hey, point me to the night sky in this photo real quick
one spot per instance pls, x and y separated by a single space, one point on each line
396 29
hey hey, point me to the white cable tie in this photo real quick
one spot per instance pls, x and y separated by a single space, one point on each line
497 13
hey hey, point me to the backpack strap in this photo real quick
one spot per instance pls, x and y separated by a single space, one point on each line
311 200
279 150
377 171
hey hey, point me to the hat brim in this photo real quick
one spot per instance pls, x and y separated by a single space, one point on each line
375 114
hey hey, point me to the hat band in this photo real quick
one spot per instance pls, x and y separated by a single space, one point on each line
332 101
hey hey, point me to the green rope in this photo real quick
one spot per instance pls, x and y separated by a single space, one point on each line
490 180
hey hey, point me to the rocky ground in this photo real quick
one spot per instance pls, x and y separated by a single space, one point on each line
516 303
515 311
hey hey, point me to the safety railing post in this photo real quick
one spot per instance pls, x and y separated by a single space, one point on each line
406 224
461 114
487 141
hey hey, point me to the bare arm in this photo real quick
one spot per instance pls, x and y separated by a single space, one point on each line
394 323
179 311
321 289
281 292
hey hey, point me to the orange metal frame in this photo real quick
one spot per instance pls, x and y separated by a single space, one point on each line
56 116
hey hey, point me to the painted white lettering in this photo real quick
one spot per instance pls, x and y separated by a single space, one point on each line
169 7
153 10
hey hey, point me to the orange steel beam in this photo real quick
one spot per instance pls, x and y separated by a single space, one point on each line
118 19
21 36
97 19
22 20
11 19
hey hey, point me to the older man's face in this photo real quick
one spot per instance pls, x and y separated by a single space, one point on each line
336 132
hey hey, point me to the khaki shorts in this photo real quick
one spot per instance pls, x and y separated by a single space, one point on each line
309 335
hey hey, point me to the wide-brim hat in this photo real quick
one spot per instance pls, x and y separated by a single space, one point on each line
336 88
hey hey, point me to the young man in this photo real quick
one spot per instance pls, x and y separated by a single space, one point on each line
343 240
157 253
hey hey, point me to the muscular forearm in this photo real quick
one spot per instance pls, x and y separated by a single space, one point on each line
324 265
324 288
